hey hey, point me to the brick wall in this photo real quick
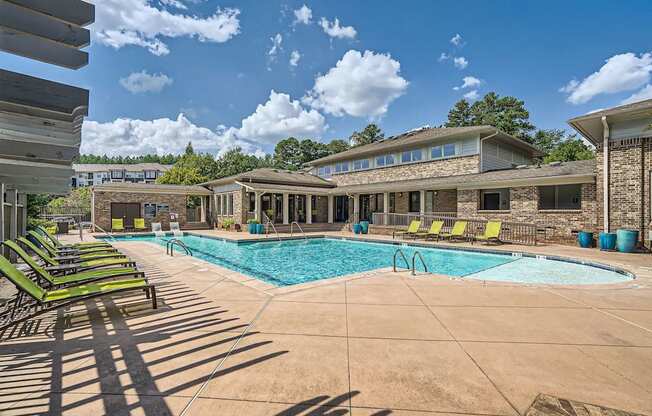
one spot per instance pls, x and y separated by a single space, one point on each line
447 167
446 200
524 208
103 200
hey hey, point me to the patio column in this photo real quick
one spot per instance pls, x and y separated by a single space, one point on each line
330 209
202 209
2 212
308 209
23 201
386 207
258 207
422 202
356 207
286 208
12 198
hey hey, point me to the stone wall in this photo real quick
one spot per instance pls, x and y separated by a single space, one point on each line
103 200
524 208
321 214
238 217
630 164
446 200
430 169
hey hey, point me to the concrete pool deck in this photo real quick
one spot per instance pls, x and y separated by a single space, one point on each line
375 344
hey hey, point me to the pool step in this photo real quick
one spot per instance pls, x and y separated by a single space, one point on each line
310 228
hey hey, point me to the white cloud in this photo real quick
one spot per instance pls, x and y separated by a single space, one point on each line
643 94
624 72
294 58
359 85
279 118
443 57
125 136
472 95
468 82
334 30
457 40
277 41
303 15
142 81
460 62
174 3
135 22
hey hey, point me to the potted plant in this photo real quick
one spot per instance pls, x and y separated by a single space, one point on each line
227 224
252 226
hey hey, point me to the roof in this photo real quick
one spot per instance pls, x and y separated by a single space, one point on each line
135 167
279 188
420 137
590 125
275 176
152 188
582 171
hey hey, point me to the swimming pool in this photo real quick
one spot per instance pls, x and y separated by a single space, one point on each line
290 262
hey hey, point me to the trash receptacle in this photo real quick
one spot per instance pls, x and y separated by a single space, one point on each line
62 227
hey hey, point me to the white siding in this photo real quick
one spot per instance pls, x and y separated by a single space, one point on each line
496 155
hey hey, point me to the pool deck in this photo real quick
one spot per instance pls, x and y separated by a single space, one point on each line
378 343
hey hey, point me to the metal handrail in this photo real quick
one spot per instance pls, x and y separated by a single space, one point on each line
269 222
300 229
105 232
414 269
169 247
399 251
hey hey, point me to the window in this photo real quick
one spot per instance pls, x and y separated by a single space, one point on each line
411 156
494 199
436 152
150 174
149 210
324 171
162 208
342 167
415 201
560 197
218 204
225 204
361 164
449 150
384 160
252 201
392 202
446 150
230 205
116 174
89 176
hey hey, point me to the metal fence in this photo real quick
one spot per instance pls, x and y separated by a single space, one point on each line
79 214
511 232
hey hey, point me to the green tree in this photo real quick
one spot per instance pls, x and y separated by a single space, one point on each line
234 162
77 198
570 149
189 149
337 146
192 168
372 133
505 113
548 140
287 154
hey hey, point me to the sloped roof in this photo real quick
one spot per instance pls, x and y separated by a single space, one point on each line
153 188
275 176
421 137
135 167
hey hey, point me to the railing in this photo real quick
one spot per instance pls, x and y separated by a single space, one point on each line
169 247
299 227
81 214
269 223
111 236
414 268
399 251
511 232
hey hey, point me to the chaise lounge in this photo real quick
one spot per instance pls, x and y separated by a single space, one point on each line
411 231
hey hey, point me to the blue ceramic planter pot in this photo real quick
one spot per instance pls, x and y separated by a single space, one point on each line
364 227
626 240
607 241
260 229
251 228
357 228
585 239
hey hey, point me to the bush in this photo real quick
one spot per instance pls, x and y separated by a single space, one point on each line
252 221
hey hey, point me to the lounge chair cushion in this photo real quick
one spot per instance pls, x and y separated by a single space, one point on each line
93 274
93 288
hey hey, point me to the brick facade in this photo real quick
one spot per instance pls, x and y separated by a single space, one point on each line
103 200
430 169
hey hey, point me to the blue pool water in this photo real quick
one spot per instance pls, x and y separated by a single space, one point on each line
298 261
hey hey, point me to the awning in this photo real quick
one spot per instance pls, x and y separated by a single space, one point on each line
290 189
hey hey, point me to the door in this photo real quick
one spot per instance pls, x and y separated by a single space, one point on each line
126 211
365 207
341 208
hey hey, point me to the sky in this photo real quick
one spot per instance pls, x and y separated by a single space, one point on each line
250 73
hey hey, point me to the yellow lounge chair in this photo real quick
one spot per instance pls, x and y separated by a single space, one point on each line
117 224
139 224
458 231
411 231
433 232
491 232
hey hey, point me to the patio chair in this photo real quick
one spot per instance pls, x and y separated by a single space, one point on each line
457 232
117 224
68 250
21 309
56 243
157 229
491 233
412 230
433 232
139 224
174 227
71 279
81 265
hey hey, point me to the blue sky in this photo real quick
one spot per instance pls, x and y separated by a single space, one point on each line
214 62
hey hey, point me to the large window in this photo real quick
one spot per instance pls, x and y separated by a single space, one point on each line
392 202
218 204
415 201
230 205
149 210
384 160
361 164
444 150
342 167
150 174
324 171
494 199
116 174
560 197
411 156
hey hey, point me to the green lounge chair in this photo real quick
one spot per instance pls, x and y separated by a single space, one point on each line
457 232
71 279
433 232
412 230
69 251
56 243
139 224
21 309
491 233
117 224
78 266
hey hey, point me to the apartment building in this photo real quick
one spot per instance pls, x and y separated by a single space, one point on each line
95 174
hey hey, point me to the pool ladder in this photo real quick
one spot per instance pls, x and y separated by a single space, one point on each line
299 227
414 258
269 222
169 247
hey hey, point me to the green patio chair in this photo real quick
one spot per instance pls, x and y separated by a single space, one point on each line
411 230
491 233
75 266
457 232
56 243
139 224
68 251
71 279
117 224
433 232
21 309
